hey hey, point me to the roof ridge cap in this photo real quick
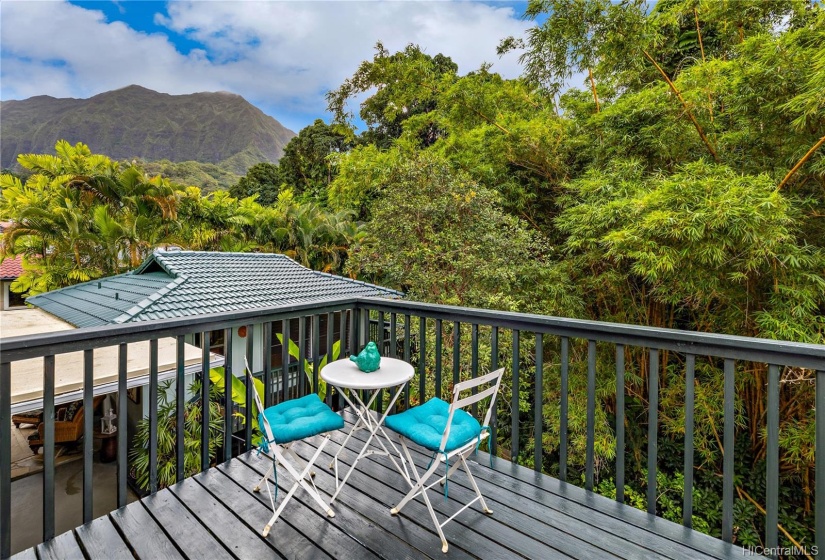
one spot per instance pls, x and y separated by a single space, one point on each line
146 302
356 281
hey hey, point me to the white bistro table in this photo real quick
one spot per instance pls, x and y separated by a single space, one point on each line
344 374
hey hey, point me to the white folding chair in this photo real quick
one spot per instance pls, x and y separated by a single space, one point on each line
284 424
449 432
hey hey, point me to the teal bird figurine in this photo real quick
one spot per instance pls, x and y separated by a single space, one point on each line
369 359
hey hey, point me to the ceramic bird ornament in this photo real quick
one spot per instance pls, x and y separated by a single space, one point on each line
369 359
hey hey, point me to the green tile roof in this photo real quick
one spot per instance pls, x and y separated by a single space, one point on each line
184 283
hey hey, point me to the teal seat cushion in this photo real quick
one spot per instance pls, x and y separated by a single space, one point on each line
425 425
301 418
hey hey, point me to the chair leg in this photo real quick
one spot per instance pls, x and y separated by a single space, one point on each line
311 489
484 507
257 487
296 458
418 488
278 511
302 480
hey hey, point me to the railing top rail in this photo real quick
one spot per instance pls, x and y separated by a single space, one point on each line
33 346
752 349
720 345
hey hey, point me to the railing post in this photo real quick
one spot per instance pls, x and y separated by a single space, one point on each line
820 459
330 336
514 401
620 423
406 354
591 416
48 447
538 400
493 367
422 359
302 353
474 361
565 364
772 461
456 352
438 356
267 357
652 429
285 333
88 432
228 405
153 415
5 459
205 383
393 336
250 387
727 457
316 351
122 442
379 398
687 509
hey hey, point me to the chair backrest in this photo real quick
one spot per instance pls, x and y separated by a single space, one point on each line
493 379
265 427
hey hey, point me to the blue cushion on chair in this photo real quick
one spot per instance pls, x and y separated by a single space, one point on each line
301 418
425 425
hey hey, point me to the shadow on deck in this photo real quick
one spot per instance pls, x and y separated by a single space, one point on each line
216 515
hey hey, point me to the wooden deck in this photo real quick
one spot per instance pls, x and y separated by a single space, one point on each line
216 515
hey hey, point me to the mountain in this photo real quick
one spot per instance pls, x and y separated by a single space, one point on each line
137 123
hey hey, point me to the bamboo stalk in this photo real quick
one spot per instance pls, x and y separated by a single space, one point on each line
593 87
801 162
685 105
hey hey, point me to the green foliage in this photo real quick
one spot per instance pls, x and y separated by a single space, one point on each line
406 85
295 352
262 179
238 388
695 238
209 176
81 216
454 245
167 444
309 163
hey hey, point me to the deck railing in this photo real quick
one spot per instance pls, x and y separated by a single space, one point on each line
415 332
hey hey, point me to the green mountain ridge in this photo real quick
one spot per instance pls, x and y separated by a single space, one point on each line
221 130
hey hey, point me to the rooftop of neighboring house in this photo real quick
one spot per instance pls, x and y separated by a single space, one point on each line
184 283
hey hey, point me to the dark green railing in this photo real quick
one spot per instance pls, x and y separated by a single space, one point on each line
402 328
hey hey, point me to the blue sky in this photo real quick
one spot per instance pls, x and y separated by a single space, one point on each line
282 56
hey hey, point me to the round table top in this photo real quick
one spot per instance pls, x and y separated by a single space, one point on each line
345 374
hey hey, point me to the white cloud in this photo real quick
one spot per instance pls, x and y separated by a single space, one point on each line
282 56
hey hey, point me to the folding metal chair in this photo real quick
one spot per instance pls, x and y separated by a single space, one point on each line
449 432
283 424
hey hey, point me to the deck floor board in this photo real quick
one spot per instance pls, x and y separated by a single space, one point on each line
217 515
531 505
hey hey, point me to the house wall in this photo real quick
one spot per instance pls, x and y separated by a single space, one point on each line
9 299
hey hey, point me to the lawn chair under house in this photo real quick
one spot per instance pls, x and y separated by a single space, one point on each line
283 424
450 433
